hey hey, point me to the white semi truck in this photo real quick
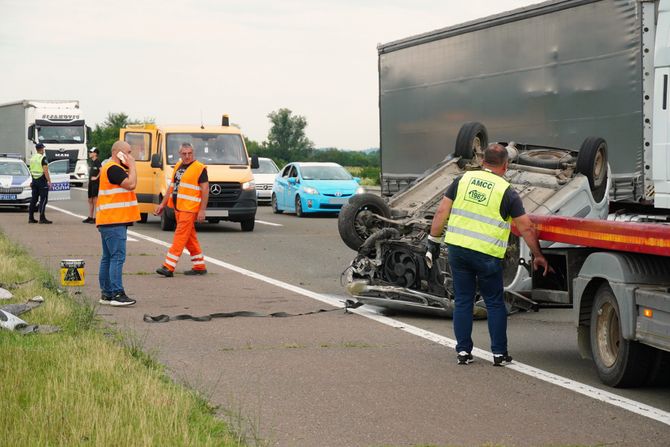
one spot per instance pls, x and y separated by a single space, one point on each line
58 124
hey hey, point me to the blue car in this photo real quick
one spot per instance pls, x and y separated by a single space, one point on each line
313 188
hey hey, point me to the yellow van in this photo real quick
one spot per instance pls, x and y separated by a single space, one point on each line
232 193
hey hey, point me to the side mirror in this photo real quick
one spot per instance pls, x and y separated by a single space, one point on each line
292 180
357 179
88 134
156 161
31 133
254 162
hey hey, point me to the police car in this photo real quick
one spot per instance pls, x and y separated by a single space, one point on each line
15 181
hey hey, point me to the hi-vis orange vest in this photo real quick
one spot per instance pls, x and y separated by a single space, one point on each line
189 195
115 205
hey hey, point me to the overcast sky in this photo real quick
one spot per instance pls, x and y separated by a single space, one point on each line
175 60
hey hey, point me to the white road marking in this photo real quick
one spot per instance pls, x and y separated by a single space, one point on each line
80 189
269 223
595 393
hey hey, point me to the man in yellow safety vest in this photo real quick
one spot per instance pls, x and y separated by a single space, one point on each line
478 209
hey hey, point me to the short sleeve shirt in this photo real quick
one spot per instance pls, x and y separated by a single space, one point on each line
94 170
511 205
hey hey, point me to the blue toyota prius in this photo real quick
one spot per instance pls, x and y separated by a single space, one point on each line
313 188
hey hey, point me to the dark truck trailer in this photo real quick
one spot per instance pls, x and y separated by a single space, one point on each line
550 74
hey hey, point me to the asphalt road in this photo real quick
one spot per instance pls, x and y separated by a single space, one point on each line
308 252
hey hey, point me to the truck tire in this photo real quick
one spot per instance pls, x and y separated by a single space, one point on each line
143 217
592 162
248 224
619 362
545 158
471 141
273 203
168 222
357 220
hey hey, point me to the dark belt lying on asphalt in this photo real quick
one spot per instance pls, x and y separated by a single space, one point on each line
348 304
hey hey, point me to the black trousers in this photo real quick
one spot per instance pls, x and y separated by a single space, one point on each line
40 190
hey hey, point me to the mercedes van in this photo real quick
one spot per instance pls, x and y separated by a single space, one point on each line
232 192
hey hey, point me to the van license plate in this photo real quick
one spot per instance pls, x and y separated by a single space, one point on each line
7 196
217 213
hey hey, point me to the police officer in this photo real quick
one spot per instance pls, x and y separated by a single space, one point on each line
39 169
478 209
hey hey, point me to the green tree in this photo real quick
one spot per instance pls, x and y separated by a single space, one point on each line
286 139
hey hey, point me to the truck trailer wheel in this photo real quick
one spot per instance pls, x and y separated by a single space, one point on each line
168 222
471 141
592 162
357 219
620 363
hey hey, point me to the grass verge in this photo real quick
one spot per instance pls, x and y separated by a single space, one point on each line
82 387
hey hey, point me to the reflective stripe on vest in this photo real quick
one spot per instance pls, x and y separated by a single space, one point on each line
36 169
475 221
188 194
115 205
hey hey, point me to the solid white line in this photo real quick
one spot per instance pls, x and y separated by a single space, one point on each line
80 189
269 223
595 393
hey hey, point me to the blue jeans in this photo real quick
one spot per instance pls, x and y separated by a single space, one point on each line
470 269
113 257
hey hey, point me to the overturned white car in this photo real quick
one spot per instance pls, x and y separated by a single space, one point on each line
390 269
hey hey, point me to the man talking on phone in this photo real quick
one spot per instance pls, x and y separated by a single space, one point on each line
116 209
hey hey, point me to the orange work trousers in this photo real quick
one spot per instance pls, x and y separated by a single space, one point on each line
185 236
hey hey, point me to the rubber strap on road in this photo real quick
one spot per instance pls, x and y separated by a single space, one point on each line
348 304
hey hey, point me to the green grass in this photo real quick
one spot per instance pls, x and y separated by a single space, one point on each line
82 387
369 174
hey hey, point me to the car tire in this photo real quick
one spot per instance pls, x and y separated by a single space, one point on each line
471 141
248 224
273 203
357 222
592 162
143 217
168 222
298 207
619 362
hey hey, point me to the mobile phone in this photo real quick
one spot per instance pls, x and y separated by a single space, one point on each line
121 156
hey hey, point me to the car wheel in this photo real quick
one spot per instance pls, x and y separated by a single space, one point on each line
471 141
592 162
273 202
144 217
168 222
358 219
248 224
619 362
298 207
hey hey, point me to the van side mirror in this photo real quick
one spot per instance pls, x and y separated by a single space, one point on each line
31 133
156 161
88 134
254 162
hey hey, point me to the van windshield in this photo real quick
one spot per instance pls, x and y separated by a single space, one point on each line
208 148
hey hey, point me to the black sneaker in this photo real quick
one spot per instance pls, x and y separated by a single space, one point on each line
121 299
105 300
195 272
44 220
88 220
31 220
501 359
464 358
164 271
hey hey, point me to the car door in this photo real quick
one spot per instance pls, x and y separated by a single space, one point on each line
292 188
280 185
60 180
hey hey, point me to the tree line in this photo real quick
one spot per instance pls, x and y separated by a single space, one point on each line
286 141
